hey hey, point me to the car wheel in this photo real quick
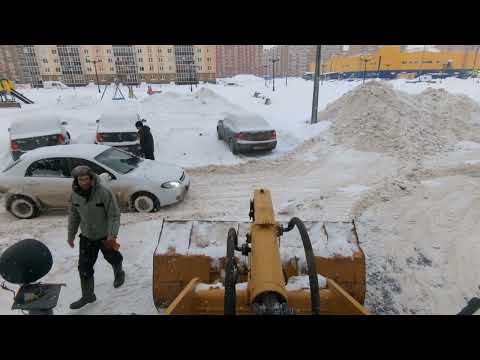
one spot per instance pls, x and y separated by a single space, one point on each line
23 207
233 148
145 202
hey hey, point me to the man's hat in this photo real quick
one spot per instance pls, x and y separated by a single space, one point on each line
82 170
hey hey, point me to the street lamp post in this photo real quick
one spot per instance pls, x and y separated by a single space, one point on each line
315 85
265 74
273 71
96 74
365 60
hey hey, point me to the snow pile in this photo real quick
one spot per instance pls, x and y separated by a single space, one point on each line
245 78
296 283
375 117
75 101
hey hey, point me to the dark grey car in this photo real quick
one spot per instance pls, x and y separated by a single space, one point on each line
246 133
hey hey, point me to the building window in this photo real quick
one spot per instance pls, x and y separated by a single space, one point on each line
150 60
151 68
209 68
54 52
109 60
169 51
199 50
140 60
85 51
199 59
111 69
139 51
45 61
55 61
170 68
89 69
149 50
209 59
109 51
58 69
141 68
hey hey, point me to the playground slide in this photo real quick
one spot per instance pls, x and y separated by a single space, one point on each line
21 97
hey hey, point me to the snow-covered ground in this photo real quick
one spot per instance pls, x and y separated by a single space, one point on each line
421 254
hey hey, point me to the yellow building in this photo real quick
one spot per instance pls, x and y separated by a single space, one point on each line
48 62
390 59
205 61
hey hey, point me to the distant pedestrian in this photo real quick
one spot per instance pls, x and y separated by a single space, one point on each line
146 140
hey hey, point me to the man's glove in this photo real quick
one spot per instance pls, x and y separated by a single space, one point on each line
111 243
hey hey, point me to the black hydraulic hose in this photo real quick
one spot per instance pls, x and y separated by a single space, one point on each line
312 270
230 301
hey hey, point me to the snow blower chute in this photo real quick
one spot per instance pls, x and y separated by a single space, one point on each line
199 267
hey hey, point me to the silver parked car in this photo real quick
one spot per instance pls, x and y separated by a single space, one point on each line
117 128
41 179
35 130
246 132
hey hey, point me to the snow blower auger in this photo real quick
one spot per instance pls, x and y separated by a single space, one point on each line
281 271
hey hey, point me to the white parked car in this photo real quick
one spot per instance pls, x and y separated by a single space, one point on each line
117 128
41 179
35 130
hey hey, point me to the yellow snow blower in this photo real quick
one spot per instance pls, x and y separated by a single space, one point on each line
318 269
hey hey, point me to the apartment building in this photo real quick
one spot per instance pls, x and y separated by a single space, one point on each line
233 60
77 65
156 63
12 62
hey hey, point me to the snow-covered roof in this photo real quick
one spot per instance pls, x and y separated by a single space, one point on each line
87 151
35 123
247 122
119 120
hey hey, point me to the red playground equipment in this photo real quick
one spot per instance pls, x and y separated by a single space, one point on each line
151 92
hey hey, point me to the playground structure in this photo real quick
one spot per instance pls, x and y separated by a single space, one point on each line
118 95
151 92
9 96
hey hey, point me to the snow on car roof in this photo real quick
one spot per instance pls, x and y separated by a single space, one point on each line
247 121
35 123
87 151
119 120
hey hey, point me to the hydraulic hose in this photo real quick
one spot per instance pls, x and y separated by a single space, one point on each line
229 305
311 267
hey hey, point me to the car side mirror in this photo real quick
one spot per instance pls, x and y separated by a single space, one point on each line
144 121
105 177
97 121
64 123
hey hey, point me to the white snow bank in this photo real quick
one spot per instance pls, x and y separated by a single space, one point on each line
376 117
207 238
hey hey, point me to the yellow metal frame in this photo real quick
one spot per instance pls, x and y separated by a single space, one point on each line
265 274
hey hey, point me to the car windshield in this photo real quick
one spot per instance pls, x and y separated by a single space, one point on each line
118 160
11 165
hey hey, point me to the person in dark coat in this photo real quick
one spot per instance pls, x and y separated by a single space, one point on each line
93 208
146 140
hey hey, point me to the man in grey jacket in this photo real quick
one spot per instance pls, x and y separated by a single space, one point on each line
95 210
